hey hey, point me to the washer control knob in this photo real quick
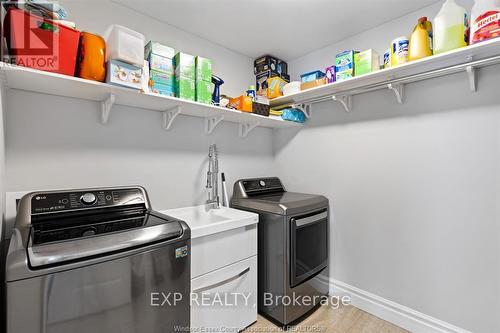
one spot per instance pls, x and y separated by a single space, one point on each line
88 198
262 183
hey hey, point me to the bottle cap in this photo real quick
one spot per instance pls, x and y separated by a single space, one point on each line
422 19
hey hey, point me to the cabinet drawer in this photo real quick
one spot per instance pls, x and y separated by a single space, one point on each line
212 252
225 298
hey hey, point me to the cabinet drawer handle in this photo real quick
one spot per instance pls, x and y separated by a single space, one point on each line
218 284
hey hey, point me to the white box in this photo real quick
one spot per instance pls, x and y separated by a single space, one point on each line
124 44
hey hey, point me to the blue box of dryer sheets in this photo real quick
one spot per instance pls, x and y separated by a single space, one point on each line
311 76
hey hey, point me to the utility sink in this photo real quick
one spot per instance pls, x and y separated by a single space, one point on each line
205 220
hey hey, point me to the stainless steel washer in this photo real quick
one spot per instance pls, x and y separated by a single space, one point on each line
292 246
93 260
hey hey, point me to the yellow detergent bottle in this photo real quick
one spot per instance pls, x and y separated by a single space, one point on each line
451 27
421 40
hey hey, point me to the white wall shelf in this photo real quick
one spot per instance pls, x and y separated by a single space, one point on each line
466 60
106 95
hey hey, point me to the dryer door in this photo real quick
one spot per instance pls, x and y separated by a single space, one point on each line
308 246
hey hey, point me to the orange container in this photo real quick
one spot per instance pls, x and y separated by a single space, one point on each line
91 57
242 103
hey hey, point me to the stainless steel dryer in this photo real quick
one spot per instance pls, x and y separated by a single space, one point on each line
96 260
292 246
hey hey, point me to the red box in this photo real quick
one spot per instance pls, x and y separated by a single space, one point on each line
40 43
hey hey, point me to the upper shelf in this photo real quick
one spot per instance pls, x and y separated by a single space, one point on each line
23 78
465 59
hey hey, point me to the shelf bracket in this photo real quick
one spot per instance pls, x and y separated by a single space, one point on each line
212 122
305 108
245 128
345 100
471 74
169 116
105 107
398 90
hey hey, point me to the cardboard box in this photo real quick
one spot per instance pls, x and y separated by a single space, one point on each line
344 65
366 62
203 69
275 87
161 64
163 89
311 76
261 82
123 74
184 65
312 84
185 88
285 77
267 62
260 108
158 49
204 90
330 74
157 77
242 103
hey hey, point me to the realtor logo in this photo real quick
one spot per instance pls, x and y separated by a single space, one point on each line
32 40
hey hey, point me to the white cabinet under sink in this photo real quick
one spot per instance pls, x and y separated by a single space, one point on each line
223 267
226 297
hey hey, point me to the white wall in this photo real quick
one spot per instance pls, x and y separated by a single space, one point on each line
414 188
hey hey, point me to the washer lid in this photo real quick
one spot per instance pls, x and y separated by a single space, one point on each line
151 228
283 203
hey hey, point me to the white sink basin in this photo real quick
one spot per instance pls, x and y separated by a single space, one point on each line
204 220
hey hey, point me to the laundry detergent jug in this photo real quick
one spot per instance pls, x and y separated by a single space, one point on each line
485 23
451 27
421 40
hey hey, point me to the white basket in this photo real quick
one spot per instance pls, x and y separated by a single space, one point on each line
291 88
124 44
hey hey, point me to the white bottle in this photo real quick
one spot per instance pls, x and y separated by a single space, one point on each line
485 23
451 27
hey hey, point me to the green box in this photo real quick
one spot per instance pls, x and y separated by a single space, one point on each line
184 65
162 78
158 49
366 62
185 88
159 63
344 65
163 89
203 69
204 90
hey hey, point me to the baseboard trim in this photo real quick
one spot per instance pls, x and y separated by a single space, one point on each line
392 312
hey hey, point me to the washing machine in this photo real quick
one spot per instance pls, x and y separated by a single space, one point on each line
96 260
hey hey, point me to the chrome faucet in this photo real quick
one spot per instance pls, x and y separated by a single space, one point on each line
212 177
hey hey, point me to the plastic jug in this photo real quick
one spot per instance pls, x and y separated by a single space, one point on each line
485 23
421 40
451 27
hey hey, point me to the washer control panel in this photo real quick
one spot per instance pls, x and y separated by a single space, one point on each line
65 201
